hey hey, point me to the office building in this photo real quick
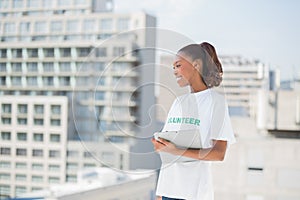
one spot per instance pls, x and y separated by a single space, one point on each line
71 76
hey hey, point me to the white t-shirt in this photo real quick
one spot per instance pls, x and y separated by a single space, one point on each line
206 111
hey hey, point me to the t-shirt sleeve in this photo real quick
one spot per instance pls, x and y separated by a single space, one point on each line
220 127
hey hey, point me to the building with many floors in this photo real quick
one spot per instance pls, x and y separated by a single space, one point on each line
72 94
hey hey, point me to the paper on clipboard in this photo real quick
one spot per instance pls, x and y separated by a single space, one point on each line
182 138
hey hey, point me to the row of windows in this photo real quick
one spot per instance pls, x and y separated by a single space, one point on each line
24 121
62 67
23 136
57 37
8 4
37 108
39 166
64 81
62 52
23 177
5 189
69 26
35 152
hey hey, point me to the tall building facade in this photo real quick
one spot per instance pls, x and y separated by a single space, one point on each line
241 81
71 76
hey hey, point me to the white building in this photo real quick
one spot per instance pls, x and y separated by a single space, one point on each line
241 80
104 184
68 50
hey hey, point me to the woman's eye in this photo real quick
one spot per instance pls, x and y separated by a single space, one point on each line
177 66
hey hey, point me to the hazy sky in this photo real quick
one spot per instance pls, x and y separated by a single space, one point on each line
268 30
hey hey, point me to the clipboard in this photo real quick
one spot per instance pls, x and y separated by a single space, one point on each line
184 139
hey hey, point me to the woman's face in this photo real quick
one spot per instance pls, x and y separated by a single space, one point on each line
183 70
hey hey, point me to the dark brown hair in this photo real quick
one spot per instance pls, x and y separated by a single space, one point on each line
212 68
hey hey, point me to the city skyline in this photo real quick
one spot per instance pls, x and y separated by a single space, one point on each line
264 30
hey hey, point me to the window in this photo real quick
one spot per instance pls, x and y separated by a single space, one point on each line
54 154
22 108
4 176
53 180
83 52
4 4
36 166
38 109
72 166
5 136
38 137
37 179
40 27
55 109
73 26
37 153
118 51
88 165
101 52
5 190
20 190
38 122
48 3
17 67
89 25
21 152
17 3
55 122
2 80
20 177
24 28
56 26
99 95
87 154
3 53
123 24
5 151
32 81
2 67
54 137
71 178
4 164
22 121
49 52
32 67
54 167
106 24
48 67
66 52
73 154
17 53
6 108
65 66
9 28
22 136
48 81
16 80
6 120
64 81
32 53
33 3
20 165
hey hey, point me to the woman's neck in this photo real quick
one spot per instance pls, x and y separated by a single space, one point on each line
198 87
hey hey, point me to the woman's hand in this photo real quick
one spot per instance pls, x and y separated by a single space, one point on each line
162 145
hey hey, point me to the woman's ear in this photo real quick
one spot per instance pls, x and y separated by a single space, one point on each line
197 64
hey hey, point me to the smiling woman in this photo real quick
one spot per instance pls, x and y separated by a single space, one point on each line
203 111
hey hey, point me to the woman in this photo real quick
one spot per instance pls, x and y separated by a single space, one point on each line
198 67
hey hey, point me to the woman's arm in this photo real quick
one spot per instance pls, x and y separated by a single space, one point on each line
216 153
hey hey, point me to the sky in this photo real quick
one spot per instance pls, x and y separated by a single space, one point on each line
267 30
